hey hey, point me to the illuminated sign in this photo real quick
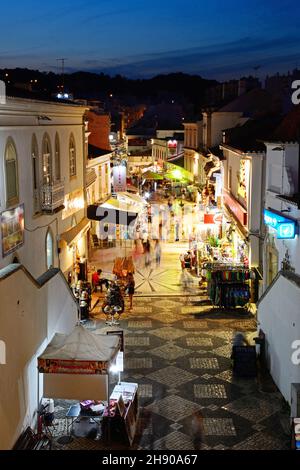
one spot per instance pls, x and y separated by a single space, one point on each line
119 178
285 228
73 202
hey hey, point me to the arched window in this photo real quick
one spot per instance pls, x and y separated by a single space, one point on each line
72 156
47 161
11 172
49 250
57 158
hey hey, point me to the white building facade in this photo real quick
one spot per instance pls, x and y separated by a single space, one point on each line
42 149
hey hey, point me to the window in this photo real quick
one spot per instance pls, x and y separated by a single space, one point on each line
47 161
35 172
49 250
72 156
11 172
57 158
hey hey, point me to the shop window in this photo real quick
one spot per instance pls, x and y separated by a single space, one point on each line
72 156
47 161
11 173
57 158
49 249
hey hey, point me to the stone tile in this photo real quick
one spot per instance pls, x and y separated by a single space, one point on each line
206 376
194 324
260 441
170 351
223 351
199 342
168 333
252 408
140 324
168 317
204 363
210 391
173 407
174 441
218 427
137 341
213 407
172 376
145 390
226 335
169 304
176 426
138 363
139 310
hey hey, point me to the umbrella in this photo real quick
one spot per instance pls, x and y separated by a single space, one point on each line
150 175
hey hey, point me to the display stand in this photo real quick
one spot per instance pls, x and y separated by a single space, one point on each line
120 418
227 285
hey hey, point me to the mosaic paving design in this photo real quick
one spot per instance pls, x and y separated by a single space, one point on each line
188 396
210 391
173 407
172 376
204 363
170 351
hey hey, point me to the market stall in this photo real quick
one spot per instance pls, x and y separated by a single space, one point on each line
77 366
227 284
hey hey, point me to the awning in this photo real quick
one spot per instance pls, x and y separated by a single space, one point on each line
150 175
177 173
131 198
113 212
71 234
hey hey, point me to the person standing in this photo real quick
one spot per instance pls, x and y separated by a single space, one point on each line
157 250
130 288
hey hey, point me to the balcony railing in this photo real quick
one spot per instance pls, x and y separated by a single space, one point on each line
91 177
52 196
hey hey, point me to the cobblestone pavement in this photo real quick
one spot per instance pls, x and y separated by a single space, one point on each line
188 397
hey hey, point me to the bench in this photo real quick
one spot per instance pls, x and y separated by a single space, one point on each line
28 440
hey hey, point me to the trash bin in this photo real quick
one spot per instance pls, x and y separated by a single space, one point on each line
243 357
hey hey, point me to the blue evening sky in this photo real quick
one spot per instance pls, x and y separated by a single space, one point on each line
217 39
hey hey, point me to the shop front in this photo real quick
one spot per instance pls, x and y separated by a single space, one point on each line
73 252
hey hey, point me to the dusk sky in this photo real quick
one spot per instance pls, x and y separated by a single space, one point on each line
142 38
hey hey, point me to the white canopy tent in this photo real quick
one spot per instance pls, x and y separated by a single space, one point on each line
77 366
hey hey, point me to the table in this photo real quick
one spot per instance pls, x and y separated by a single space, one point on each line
75 412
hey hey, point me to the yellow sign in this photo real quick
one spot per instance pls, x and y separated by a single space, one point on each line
73 203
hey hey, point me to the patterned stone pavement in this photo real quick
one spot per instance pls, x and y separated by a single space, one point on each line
188 396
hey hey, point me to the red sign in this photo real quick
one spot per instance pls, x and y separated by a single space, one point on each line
209 218
235 207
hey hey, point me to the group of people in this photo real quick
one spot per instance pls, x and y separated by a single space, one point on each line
146 249
99 281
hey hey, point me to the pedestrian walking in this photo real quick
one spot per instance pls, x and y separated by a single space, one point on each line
157 251
130 287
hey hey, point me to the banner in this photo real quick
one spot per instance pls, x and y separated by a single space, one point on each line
119 178
12 229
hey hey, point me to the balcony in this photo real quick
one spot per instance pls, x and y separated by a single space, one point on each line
91 177
52 197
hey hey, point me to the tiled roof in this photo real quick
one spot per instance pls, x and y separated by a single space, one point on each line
289 128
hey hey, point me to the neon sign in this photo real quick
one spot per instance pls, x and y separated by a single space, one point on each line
285 228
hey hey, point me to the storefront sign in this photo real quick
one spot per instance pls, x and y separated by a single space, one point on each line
73 202
235 207
285 228
243 179
119 178
12 229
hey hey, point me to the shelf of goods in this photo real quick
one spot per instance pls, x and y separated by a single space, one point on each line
228 286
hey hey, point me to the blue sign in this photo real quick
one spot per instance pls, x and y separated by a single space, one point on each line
285 228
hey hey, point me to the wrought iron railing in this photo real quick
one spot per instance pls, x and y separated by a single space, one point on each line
52 196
